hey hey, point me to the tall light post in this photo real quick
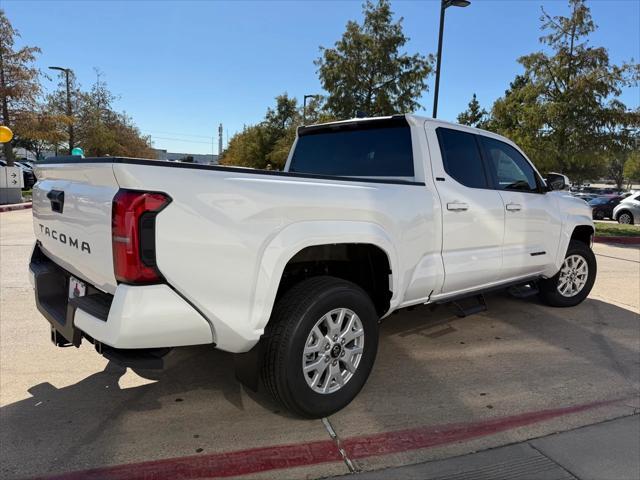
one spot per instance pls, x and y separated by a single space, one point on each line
443 6
69 110
304 107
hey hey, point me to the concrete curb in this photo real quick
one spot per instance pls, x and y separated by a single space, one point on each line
623 240
15 206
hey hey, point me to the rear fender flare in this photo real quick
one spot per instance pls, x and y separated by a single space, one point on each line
292 239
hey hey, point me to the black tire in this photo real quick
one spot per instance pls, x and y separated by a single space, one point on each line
625 217
598 215
292 320
549 293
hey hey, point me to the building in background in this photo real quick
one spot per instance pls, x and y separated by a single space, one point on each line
203 159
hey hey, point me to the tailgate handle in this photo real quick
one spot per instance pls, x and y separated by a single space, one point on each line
57 200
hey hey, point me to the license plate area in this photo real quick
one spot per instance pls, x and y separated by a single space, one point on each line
58 294
52 289
77 288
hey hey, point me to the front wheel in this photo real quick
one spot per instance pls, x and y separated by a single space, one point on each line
320 346
571 285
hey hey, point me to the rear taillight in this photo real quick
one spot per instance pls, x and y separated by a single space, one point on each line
133 232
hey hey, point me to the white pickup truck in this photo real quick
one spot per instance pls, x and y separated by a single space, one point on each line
293 270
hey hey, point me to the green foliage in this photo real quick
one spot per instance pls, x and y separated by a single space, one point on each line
19 83
632 167
474 115
616 230
367 70
563 109
267 144
248 148
103 131
38 131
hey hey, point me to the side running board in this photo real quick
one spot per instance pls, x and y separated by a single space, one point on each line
470 305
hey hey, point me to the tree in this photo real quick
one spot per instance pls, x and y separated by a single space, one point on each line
103 131
561 106
619 137
58 106
267 144
248 148
39 131
19 85
284 115
632 168
474 115
367 70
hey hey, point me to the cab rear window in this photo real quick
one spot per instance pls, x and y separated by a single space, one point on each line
368 149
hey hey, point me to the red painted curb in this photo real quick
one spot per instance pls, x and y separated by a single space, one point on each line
624 240
255 460
17 206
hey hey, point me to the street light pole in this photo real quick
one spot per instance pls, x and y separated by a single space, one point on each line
304 107
69 110
444 4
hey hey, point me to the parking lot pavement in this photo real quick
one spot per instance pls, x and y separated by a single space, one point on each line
441 386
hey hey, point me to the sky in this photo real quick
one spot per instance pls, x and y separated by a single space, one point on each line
181 68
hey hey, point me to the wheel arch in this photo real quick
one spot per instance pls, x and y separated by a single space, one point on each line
575 227
583 233
320 241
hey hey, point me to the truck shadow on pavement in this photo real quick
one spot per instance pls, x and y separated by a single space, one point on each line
429 363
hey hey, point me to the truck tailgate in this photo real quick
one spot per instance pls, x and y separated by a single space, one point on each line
72 219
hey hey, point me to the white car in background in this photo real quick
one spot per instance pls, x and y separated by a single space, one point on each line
628 210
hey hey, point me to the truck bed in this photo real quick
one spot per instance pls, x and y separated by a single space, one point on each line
225 238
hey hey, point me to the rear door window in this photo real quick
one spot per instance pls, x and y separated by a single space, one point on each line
370 149
461 157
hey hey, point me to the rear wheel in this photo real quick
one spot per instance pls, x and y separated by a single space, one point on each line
574 281
598 215
625 217
320 346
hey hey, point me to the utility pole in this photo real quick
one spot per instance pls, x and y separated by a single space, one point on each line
219 140
69 112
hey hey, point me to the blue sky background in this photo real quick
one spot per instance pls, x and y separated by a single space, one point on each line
180 68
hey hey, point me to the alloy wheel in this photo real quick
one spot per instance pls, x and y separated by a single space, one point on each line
333 350
573 276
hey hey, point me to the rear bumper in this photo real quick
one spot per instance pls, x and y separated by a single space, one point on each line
136 317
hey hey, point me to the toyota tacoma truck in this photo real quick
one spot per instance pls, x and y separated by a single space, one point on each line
292 271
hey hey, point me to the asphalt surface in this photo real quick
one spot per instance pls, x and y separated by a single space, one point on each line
515 372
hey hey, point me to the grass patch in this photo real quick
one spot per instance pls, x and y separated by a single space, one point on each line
27 195
616 230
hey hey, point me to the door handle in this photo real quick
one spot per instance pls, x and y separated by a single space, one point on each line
513 207
457 206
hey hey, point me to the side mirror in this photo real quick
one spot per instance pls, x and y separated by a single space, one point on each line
556 181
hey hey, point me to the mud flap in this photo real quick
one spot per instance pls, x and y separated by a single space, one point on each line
247 366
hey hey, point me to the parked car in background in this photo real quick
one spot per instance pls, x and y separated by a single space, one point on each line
628 211
27 174
602 207
587 197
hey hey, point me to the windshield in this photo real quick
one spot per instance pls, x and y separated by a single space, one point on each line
598 201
